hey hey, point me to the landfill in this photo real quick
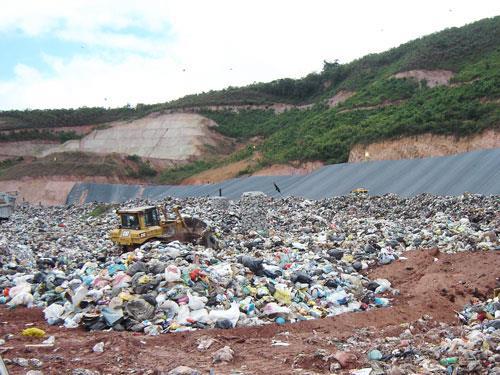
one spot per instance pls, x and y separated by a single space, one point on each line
277 261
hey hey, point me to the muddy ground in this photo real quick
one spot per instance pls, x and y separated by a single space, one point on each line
430 283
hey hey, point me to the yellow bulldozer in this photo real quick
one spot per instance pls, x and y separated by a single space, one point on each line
142 224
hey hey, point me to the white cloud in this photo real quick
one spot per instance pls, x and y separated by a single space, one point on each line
217 43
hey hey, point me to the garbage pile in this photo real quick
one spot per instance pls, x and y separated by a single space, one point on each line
427 346
305 262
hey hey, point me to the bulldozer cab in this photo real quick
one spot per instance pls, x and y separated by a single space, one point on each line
139 218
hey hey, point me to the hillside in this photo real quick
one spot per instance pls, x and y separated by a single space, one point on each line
445 84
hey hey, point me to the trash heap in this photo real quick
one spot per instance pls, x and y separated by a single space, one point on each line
427 346
306 262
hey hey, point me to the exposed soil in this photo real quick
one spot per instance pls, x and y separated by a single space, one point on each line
340 97
25 148
176 137
288 170
219 174
425 145
430 283
432 77
238 168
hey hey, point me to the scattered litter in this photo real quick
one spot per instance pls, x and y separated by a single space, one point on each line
33 332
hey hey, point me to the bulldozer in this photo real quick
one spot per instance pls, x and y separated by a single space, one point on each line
142 224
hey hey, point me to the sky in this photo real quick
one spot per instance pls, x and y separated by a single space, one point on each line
110 53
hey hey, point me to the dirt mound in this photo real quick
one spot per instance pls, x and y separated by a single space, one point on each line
425 145
433 77
176 137
430 283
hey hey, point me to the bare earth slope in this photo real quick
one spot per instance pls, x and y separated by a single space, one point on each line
176 137
423 146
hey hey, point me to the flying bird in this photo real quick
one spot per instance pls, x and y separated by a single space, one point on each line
276 187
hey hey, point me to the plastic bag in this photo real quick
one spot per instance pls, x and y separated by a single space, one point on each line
53 313
111 316
232 314
383 285
21 287
283 295
273 308
169 307
33 332
200 315
79 295
172 273
195 302
338 297
23 298
183 315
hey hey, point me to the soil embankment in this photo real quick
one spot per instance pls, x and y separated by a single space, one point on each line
422 146
174 137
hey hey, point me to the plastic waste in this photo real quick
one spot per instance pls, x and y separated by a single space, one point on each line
53 313
273 308
172 274
448 361
195 302
111 316
384 285
232 314
33 332
375 355
380 301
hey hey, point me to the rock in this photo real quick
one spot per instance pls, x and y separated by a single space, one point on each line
204 343
84 371
23 362
223 355
98 348
183 370
345 359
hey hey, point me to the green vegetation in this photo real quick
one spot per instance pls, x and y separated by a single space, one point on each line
382 91
35 134
176 175
141 169
8 163
99 210
243 124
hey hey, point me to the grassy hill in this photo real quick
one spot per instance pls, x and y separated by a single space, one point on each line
381 106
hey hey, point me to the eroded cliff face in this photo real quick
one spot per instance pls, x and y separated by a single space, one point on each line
425 145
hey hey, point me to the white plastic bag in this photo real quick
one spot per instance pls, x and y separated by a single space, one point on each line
172 273
232 314
273 308
53 313
195 302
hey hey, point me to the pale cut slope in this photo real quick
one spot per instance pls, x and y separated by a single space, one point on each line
177 137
